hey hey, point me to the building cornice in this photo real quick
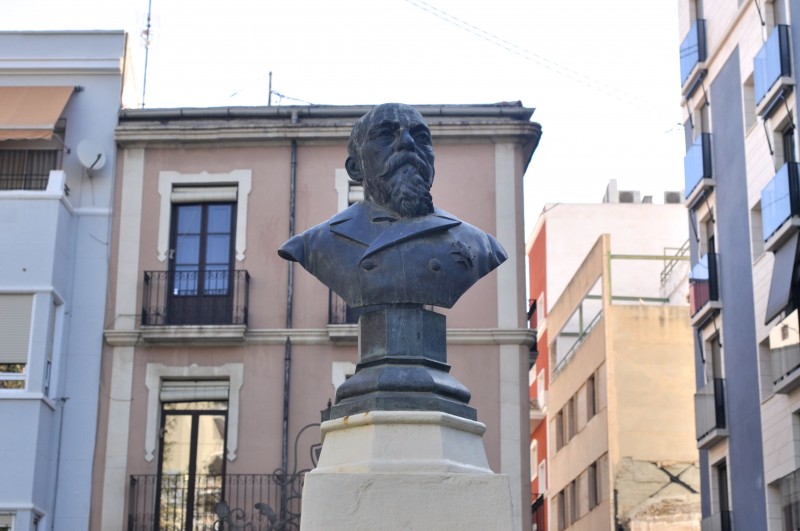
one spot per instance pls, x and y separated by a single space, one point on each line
239 335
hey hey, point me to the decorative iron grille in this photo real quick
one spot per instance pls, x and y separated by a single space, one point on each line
27 169
195 298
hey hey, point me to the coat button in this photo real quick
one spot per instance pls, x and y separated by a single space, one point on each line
434 264
367 265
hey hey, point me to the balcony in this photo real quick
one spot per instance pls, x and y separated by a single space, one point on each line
772 71
721 521
697 169
784 345
28 169
709 413
185 298
693 56
704 289
538 409
233 501
780 206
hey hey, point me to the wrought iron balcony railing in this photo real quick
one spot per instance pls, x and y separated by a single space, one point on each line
780 199
772 62
697 163
709 408
703 283
693 49
195 298
27 169
232 501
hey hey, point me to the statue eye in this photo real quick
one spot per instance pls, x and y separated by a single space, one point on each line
422 137
386 133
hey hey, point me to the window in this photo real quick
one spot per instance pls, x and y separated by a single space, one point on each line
749 103
572 419
561 508
15 328
756 231
542 475
720 498
572 502
713 361
201 264
559 424
534 460
590 398
593 486
787 149
540 390
6 522
27 169
192 452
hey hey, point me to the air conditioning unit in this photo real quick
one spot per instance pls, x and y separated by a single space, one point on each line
629 196
647 199
673 198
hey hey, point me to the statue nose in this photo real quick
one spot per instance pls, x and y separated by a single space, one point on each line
405 140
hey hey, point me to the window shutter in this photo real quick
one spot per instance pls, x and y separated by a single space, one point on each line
15 327
203 194
194 390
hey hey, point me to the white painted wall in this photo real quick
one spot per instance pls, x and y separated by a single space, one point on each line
641 229
60 247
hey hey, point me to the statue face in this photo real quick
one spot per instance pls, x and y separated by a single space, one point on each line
395 159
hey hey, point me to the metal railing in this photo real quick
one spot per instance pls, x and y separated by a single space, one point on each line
27 169
709 408
697 163
232 501
703 283
195 298
693 48
771 62
780 198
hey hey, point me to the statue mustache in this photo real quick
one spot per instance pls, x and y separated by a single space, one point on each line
398 160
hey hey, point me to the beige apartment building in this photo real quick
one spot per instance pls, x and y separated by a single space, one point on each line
219 358
622 451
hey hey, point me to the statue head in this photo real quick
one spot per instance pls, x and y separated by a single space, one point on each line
391 153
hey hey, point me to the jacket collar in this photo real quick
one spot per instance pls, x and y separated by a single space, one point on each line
378 228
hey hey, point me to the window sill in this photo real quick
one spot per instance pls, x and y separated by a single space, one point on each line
194 333
21 394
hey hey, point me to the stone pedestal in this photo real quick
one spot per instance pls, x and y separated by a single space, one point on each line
404 470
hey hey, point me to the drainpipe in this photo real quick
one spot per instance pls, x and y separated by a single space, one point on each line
287 358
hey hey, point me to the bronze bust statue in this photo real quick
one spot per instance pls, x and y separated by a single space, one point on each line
394 247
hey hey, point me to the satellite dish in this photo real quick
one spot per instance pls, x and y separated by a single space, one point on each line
91 155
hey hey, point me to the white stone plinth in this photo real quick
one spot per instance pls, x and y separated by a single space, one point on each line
393 470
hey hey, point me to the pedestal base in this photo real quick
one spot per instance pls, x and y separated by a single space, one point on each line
404 471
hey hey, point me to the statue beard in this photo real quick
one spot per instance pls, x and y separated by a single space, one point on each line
405 185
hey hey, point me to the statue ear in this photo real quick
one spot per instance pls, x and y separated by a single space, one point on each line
353 170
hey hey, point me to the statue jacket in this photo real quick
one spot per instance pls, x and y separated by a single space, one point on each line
369 256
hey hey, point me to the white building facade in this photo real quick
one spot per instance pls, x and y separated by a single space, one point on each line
60 94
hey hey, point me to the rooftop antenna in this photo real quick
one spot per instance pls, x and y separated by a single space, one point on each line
269 99
146 36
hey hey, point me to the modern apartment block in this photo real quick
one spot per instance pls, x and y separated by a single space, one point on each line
647 265
60 95
738 71
219 356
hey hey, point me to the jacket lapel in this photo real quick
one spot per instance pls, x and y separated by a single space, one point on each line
408 228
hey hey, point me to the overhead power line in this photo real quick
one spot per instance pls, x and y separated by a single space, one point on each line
528 55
